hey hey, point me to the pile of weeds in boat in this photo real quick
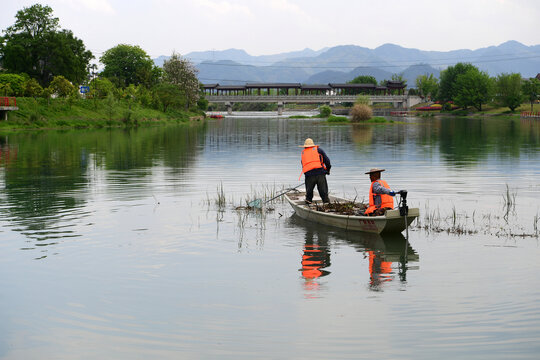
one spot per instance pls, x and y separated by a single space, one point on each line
341 208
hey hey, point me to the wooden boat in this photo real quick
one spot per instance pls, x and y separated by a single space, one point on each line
390 222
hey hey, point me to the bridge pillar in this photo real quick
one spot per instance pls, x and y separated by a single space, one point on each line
280 108
229 107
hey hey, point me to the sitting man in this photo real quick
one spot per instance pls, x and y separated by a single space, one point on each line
380 195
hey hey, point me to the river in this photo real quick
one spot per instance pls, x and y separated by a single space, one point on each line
128 244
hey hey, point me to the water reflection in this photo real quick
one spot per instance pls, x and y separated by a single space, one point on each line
389 256
49 177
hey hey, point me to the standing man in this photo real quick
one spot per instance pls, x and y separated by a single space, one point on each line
315 166
380 195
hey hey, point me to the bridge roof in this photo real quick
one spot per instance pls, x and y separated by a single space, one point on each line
315 87
352 86
231 87
273 85
395 84
210 86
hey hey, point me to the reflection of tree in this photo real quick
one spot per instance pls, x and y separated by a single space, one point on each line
362 134
469 140
46 181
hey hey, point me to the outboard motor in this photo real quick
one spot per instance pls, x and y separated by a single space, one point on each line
403 208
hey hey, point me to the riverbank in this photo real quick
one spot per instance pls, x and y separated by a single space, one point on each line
489 110
89 113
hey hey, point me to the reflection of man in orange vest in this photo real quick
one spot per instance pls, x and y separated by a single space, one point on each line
380 195
315 166
379 270
315 257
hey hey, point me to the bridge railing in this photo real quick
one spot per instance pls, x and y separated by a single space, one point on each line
301 98
8 101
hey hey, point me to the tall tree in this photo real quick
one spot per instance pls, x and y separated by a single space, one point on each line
448 78
473 88
508 90
36 46
183 74
129 64
531 90
364 79
428 86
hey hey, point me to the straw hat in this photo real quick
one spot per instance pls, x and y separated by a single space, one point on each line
375 170
307 143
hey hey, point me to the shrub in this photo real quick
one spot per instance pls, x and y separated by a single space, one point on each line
325 111
337 119
361 112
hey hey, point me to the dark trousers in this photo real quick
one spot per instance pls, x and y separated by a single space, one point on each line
322 187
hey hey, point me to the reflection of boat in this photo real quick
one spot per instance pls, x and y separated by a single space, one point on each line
390 222
389 255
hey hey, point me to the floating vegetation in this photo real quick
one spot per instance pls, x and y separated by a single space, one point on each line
509 202
462 223
535 224
253 201
220 200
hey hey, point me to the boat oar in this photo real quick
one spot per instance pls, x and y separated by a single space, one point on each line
258 203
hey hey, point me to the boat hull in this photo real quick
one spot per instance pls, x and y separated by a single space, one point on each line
391 222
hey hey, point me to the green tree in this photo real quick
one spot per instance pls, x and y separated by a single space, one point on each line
399 78
34 45
448 78
183 74
61 86
202 104
508 90
364 79
531 90
169 95
128 64
427 85
32 88
5 89
473 88
101 87
16 84
362 100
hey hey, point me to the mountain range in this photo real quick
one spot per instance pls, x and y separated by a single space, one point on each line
343 63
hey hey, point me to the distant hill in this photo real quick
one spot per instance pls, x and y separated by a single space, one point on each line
345 62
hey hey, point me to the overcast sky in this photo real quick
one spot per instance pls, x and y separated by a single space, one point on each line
263 27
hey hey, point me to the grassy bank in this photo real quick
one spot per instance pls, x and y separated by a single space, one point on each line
487 110
82 113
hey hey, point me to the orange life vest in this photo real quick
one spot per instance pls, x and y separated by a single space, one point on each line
386 200
311 159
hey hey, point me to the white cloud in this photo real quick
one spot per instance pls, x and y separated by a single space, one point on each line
224 8
98 6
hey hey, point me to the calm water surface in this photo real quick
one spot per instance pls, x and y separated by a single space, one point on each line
113 245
